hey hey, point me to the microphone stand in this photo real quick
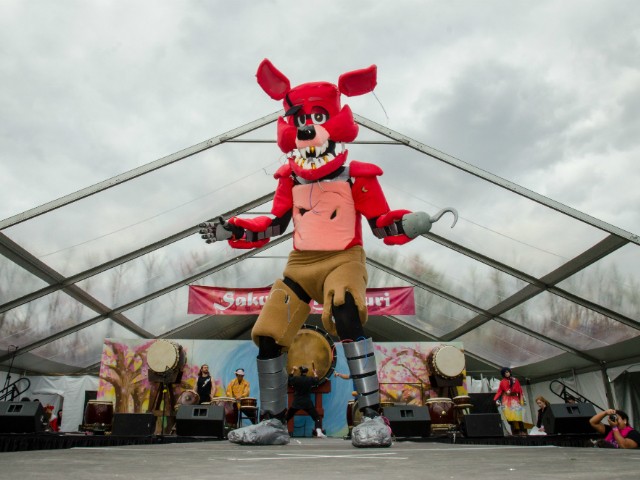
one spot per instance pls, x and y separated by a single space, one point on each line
7 381
164 407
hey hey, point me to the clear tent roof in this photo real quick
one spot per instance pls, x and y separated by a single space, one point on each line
521 280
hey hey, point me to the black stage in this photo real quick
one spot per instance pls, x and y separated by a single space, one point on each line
316 458
16 442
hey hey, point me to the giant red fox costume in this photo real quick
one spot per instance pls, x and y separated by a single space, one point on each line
326 197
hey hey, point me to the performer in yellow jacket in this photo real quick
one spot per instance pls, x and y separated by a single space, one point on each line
238 387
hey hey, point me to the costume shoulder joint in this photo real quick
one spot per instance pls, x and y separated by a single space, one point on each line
362 169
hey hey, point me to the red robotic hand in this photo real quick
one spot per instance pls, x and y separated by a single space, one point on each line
254 225
393 219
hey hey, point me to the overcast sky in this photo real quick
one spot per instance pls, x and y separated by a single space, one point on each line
543 93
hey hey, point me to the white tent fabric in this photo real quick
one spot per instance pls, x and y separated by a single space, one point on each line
72 390
562 300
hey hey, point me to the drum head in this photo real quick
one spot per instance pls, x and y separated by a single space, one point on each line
189 397
162 356
449 361
222 399
311 347
462 399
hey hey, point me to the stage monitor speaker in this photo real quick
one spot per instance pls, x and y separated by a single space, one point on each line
408 420
21 417
482 425
483 403
567 418
200 421
134 424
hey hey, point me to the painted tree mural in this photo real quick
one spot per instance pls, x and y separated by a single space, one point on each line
123 375
403 373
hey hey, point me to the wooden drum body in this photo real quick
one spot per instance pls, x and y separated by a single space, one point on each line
461 400
463 406
354 415
442 413
248 402
351 405
163 356
313 347
189 397
230 409
446 361
165 360
98 416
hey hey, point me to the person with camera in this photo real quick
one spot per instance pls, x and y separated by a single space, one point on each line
618 433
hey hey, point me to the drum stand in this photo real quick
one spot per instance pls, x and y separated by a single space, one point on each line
163 397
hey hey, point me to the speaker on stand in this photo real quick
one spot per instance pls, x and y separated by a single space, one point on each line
21 417
408 420
483 402
568 418
476 425
134 424
200 421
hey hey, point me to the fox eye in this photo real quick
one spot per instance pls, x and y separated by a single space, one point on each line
319 118
300 120
319 115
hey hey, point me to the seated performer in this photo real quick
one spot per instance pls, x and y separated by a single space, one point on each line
204 385
238 389
543 409
302 386
328 199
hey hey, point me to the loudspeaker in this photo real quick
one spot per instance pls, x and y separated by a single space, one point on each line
200 421
482 425
568 418
134 424
21 417
483 403
408 420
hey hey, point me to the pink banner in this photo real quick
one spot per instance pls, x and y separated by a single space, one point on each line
249 301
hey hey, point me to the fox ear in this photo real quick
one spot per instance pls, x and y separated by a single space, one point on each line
358 82
272 80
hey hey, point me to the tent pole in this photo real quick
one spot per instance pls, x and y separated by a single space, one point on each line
607 384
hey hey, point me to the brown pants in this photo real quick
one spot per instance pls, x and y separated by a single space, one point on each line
326 277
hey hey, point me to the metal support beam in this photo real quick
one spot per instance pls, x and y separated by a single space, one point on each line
496 180
481 313
607 385
580 262
116 311
137 172
55 286
20 256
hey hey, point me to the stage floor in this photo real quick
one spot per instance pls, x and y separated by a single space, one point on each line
320 458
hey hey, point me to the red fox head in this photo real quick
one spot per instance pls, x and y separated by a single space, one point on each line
314 121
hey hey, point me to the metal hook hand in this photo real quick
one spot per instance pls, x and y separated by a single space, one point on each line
451 210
